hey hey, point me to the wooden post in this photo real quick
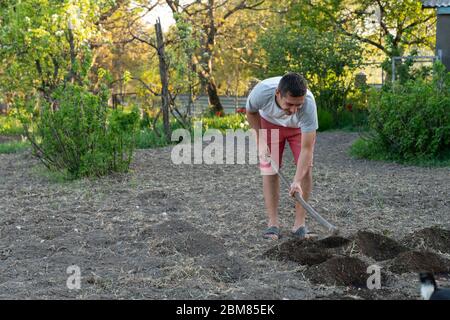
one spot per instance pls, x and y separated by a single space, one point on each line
164 74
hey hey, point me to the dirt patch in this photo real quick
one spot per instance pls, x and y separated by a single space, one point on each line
333 242
419 261
339 271
157 202
429 238
225 268
306 252
181 236
115 228
377 246
167 229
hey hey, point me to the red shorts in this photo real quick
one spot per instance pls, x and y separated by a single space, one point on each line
276 141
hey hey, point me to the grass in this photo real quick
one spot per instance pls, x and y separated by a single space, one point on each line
10 126
349 121
149 139
53 176
14 147
369 149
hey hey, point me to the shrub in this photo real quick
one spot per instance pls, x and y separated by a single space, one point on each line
412 120
10 124
325 119
79 135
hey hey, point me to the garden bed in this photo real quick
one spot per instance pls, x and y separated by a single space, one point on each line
166 231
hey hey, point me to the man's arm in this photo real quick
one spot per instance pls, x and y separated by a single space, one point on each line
306 156
254 119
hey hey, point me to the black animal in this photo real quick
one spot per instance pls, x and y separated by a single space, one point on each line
429 290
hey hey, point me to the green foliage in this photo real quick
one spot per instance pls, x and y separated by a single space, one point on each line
325 119
326 59
36 38
372 149
405 70
150 139
233 121
412 120
10 125
13 147
78 134
368 149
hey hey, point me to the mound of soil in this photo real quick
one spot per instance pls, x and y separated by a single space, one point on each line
181 236
306 252
333 242
419 261
431 238
193 244
339 271
225 268
378 246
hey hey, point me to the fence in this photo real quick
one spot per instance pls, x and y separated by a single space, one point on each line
200 104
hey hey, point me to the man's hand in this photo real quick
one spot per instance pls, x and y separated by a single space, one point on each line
295 187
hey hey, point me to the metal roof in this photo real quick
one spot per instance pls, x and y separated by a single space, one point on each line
435 3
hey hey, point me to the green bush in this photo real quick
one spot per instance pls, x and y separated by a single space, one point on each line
412 120
325 118
79 135
10 125
368 149
148 138
353 120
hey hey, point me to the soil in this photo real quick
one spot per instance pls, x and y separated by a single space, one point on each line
306 252
377 246
339 271
166 231
433 238
420 261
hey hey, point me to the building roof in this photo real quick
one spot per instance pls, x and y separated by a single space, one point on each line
435 3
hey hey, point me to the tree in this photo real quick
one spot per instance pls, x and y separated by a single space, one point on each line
326 60
390 28
207 19
47 43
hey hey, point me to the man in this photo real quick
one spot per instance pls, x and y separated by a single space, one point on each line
286 109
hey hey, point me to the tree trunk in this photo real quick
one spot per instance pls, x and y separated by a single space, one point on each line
164 74
214 99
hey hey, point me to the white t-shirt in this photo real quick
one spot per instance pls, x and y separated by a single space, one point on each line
262 99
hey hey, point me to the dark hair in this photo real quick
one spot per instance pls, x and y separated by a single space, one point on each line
294 84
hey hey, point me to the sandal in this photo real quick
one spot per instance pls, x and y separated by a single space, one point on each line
270 231
301 233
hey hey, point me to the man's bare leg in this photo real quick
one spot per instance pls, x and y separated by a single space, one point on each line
300 212
271 190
